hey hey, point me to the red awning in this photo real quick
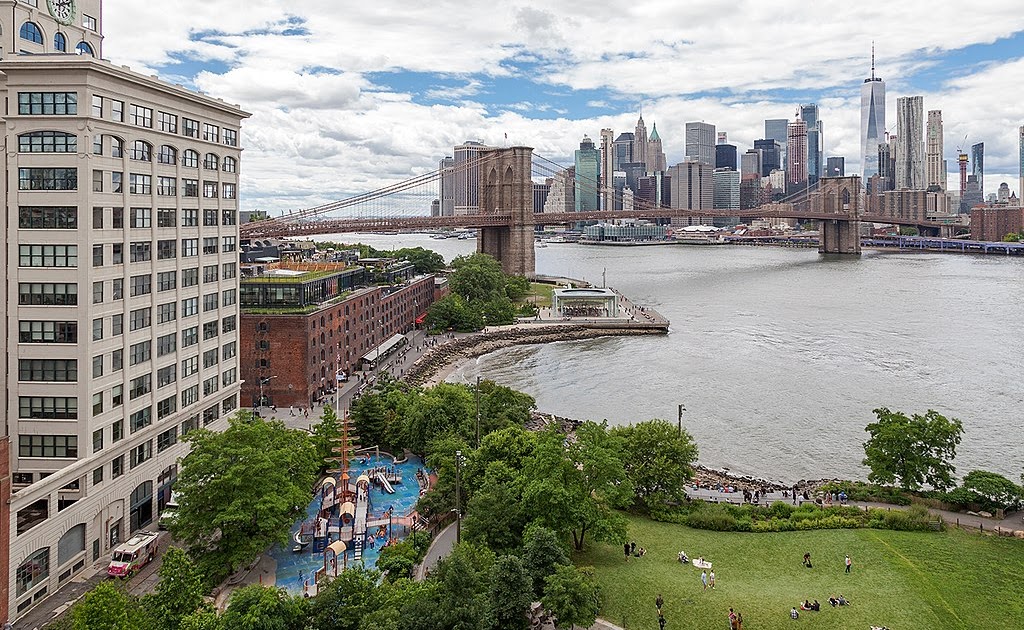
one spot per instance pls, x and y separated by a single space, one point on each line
421 318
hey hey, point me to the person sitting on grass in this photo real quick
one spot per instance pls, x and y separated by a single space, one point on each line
793 614
816 606
832 600
682 557
843 601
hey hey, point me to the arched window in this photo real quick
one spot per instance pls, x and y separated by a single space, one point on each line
190 159
47 142
116 147
32 572
230 165
210 161
30 32
60 42
141 513
83 48
167 155
71 544
142 151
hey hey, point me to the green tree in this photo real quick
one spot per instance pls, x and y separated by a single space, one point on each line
573 595
993 488
445 409
517 287
424 260
912 451
464 587
205 619
511 594
477 277
398 560
494 515
240 490
257 607
453 312
658 460
1012 237
441 498
178 594
346 600
542 552
325 434
379 415
106 607
577 488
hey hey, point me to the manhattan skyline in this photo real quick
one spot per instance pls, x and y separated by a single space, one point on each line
345 101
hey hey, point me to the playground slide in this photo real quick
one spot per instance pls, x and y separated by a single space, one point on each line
384 482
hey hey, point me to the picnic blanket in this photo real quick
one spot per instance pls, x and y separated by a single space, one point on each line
701 564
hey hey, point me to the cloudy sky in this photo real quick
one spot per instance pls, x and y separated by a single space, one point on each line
348 96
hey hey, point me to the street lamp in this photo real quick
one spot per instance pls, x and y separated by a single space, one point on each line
458 497
681 410
478 412
263 381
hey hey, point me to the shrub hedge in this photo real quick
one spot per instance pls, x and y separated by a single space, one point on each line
783 517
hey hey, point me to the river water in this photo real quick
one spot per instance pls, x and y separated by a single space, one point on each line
780 355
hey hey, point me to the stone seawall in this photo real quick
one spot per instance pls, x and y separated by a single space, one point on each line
437 362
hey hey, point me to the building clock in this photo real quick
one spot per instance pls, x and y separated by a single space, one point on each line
62 10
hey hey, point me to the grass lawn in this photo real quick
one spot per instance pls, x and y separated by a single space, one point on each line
901 580
540 294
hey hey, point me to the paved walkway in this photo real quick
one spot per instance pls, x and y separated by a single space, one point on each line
440 546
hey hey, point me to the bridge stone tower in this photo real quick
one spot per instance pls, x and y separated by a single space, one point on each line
506 187
840 196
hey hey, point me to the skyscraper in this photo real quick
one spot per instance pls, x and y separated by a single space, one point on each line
872 121
935 163
776 129
640 141
771 155
796 156
700 142
607 170
623 150
835 167
1020 191
588 176
446 198
725 156
910 143
467 178
978 166
750 164
692 188
655 152
726 195
815 140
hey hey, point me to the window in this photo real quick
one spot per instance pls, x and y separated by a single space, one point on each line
190 128
139 319
166 186
141 453
140 116
117 111
209 218
116 400
189 247
30 32
47 408
209 330
139 184
116 324
210 358
210 245
210 161
97 329
97 368
189 218
228 244
47 142
97 144
210 273
189 367
229 403
48 179
47 332
188 425
89 22
210 302
141 217
166 280
117 256
227 191
48 103
167 155
97 292
116 360
47 255
97 476
166 217
97 409
139 386
211 133
228 324
140 251
190 336
166 344
166 312
229 164
141 285
47 445
165 376
229 377
115 183
117 467
49 217
189 188
229 217
230 137
97 103
167 439
141 151
97 258
166 249
190 277
36 568
167 122
229 270
211 385
210 190
97 181
190 159
189 396
210 414
83 48
189 307
166 407
61 43
229 350
139 352
48 370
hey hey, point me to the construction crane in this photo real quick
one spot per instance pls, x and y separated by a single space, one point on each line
961 159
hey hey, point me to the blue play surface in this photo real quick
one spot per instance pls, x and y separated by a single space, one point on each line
294 569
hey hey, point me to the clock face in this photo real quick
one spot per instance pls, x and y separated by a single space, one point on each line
62 10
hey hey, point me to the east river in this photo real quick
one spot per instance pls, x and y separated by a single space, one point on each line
779 355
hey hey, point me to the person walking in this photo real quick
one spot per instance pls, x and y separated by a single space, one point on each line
704 579
849 563
739 621
732 620
711 579
659 602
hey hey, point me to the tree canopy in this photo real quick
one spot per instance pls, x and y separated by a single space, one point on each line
240 490
912 451
481 294
658 459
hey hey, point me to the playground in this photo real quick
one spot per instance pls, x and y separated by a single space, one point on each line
366 504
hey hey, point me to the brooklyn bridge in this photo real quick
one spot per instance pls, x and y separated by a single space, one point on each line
506 218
